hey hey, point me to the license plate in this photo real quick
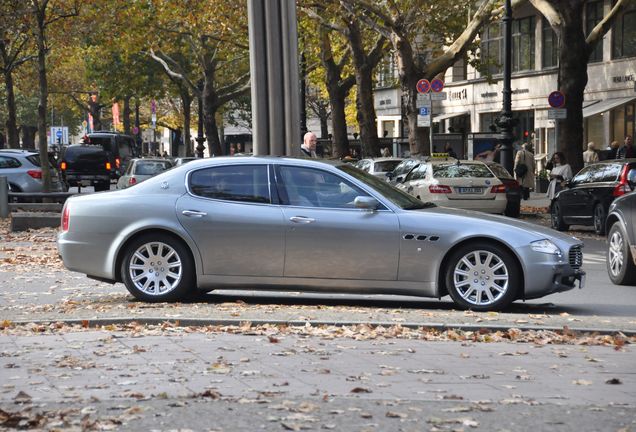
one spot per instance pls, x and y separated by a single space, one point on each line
470 190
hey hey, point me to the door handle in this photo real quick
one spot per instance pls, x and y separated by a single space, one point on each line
302 219
193 213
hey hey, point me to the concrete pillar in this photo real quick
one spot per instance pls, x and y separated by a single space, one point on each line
275 82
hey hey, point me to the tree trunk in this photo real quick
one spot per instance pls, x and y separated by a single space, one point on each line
28 136
364 97
324 124
573 58
95 110
339 139
13 139
127 115
186 100
43 147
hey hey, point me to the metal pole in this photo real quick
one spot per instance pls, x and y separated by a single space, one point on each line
200 138
506 121
4 198
430 129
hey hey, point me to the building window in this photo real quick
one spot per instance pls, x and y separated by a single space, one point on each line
491 47
523 44
387 73
594 15
549 46
624 37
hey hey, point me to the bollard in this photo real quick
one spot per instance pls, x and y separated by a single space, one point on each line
4 198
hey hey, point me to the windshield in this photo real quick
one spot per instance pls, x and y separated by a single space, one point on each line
396 196
499 171
385 166
457 170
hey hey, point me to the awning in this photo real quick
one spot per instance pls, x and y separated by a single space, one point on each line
605 105
444 116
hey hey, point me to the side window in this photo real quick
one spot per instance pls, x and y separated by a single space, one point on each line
8 162
611 173
244 183
307 187
417 173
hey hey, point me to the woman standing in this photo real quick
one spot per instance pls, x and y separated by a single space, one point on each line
561 171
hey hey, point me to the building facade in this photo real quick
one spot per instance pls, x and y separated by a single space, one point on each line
474 98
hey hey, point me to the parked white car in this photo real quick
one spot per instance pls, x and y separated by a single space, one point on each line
379 166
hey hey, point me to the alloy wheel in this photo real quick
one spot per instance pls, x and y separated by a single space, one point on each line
616 257
155 268
481 277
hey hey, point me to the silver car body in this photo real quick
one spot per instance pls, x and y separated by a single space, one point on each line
293 247
16 164
379 166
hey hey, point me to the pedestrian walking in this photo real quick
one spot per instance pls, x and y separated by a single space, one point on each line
590 155
524 169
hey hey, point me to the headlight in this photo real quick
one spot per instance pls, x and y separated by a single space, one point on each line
545 246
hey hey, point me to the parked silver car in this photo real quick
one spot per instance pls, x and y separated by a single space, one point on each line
299 224
142 169
24 172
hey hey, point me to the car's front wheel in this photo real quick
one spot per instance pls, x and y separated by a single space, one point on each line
556 217
620 263
158 268
599 219
482 277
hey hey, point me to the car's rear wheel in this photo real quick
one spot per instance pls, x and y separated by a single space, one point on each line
556 217
482 277
158 268
620 263
599 219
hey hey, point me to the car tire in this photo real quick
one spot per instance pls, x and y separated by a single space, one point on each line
599 219
102 186
158 268
556 218
620 263
476 270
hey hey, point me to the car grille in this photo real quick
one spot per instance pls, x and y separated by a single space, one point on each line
575 257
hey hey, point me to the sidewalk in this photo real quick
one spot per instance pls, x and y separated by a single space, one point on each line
538 203
163 379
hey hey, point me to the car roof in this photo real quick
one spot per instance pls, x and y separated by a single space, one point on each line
247 160
18 151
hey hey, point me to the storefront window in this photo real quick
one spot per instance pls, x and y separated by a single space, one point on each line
594 132
624 36
594 15
549 46
618 124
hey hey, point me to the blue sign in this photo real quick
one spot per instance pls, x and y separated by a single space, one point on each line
556 99
437 85
424 111
423 86
58 133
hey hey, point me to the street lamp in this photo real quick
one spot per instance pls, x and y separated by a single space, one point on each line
505 121
200 138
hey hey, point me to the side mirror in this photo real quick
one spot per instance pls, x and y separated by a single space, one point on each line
389 175
631 178
399 179
366 202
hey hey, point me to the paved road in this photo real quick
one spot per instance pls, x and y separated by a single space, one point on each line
204 380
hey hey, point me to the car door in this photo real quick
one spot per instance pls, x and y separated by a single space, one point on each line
572 199
414 183
326 236
229 214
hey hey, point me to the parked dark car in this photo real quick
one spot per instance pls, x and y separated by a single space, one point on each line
120 148
86 165
586 198
621 237
513 189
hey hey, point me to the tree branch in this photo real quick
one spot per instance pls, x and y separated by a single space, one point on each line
602 27
383 30
548 11
332 26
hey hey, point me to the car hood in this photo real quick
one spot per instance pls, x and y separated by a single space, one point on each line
510 230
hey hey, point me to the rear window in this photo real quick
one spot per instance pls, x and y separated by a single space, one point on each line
75 152
454 170
500 171
103 142
386 166
151 167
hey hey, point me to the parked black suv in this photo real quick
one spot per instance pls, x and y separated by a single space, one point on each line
84 165
121 149
586 198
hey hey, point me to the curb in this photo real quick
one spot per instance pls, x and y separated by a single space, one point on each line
194 322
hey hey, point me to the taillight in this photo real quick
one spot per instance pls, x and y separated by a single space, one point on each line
132 181
108 166
498 189
36 174
623 187
117 163
63 166
439 189
66 216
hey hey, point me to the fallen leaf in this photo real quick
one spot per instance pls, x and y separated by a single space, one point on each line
613 381
360 390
